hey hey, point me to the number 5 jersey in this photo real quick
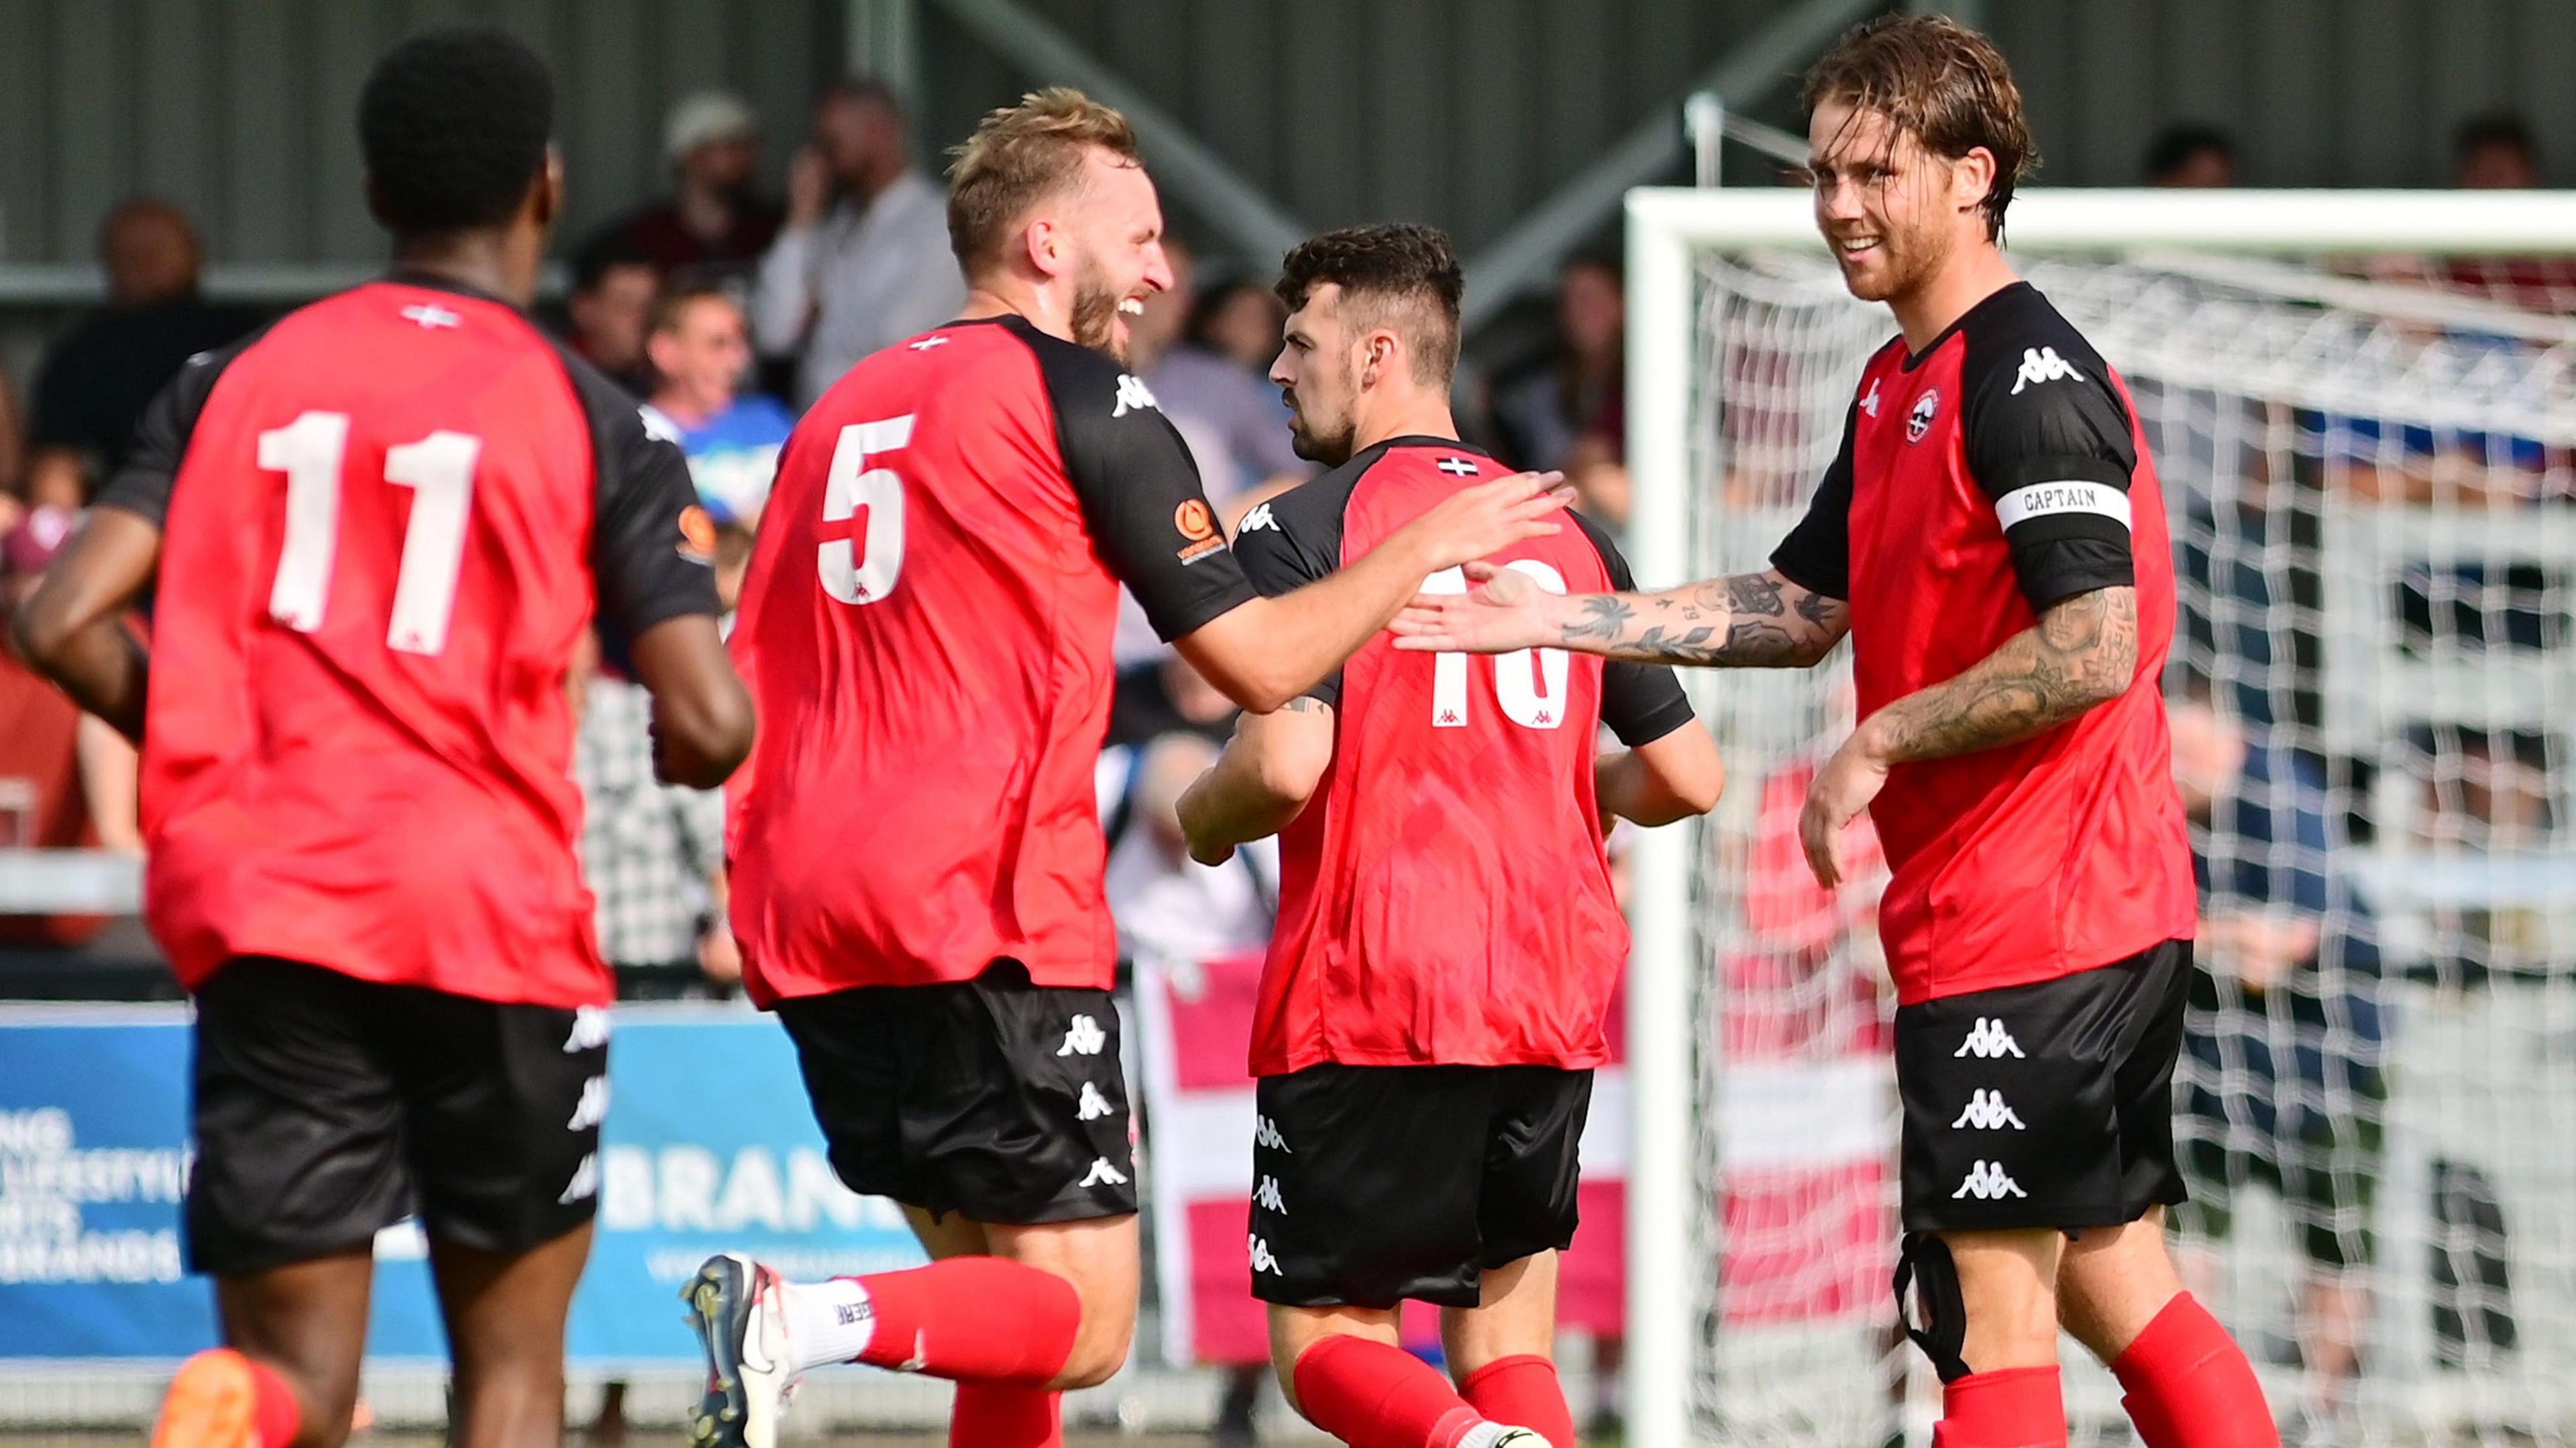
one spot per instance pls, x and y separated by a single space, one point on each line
387 522
926 633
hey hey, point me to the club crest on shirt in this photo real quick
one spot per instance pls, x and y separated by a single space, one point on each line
1919 420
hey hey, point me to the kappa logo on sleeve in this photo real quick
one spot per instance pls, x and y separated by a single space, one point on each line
1198 530
1258 519
1133 396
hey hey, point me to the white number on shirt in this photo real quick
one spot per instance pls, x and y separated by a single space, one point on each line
854 571
438 468
1530 684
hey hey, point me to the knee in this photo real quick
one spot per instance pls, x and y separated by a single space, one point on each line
1100 1347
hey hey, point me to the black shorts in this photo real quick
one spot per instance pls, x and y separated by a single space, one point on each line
328 1108
991 1097
2044 1105
1373 1184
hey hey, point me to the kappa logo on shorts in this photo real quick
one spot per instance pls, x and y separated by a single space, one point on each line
1262 1260
1987 1182
1083 1038
1102 1174
1986 1111
589 1029
1266 1196
593 1107
584 1183
1988 1040
1265 1132
1093 1106
1133 396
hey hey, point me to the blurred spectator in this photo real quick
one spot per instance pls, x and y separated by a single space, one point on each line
652 853
2495 152
1546 406
613 286
1241 321
863 260
714 225
1166 696
2284 1033
2191 155
95 381
700 349
1235 423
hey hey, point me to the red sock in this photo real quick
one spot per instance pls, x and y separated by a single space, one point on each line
997 1415
975 1319
1371 1395
280 1416
2009 1408
1522 1391
2189 1385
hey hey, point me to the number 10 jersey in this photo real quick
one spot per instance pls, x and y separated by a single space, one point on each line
387 522
925 629
1444 897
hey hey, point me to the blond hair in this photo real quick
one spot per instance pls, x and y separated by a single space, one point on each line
1019 156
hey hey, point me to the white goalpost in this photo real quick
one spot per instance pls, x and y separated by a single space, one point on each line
2365 426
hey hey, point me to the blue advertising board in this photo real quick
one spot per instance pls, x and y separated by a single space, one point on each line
708 1145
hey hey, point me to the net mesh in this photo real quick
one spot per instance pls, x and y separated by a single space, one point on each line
2370 487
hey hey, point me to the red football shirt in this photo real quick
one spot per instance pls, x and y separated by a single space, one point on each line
386 522
925 629
1993 475
1444 896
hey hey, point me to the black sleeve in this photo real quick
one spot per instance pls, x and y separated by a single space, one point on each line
1140 492
142 482
1640 702
652 550
2048 440
1816 555
1283 547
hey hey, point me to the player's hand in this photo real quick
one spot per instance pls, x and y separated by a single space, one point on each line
719 956
809 187
1506 610
1489 517
1841 790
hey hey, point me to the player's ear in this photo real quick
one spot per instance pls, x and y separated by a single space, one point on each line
1045 244
546 190
1972 177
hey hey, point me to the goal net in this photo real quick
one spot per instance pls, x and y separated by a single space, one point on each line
2370 470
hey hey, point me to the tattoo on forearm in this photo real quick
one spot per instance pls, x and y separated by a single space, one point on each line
2082 652
1738 622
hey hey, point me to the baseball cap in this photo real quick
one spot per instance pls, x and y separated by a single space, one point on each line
707 117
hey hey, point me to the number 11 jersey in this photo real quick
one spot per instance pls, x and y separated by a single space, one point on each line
387 521
1444 897
926 633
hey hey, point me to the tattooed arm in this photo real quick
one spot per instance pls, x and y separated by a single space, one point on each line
1748 621
1261 783
2083 652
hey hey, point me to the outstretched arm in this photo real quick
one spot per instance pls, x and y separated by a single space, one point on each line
1748 621
2083 652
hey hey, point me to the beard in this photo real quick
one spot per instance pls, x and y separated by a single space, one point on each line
1911 260
1095 316
1326 443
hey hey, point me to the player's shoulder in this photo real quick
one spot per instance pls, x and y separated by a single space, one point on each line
1078 377
2018 339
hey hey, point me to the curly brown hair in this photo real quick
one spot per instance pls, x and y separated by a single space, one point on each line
1939 82
1017 157
1395 274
